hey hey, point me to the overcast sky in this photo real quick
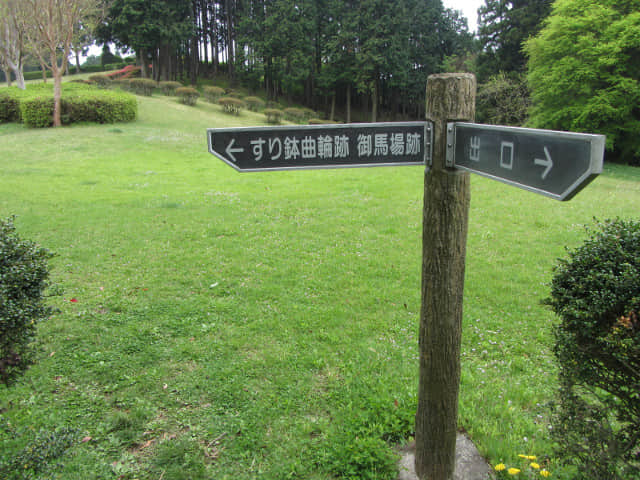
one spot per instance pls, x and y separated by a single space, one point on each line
469 9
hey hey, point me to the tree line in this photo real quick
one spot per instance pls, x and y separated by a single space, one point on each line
375 54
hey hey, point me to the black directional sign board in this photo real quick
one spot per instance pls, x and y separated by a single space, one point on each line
555 164
322 146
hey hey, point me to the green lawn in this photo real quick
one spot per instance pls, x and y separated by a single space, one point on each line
264 325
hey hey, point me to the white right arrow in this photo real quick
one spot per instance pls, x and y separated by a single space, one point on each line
230 150
545 163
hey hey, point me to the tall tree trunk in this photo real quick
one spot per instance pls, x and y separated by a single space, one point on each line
374 101
230 41
333 106
214 39
7 75
195 61
77 52
143 61
57 72
349 103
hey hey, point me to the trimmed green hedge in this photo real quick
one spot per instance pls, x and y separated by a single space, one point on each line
80 103
9 107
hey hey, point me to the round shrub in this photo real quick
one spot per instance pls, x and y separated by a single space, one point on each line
122 83
254 103
274 115
142 86
24 277
101 80
188 95
231 105
503 100
212 94
596 294
169 88
294 114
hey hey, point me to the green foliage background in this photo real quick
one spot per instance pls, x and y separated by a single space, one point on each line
584 72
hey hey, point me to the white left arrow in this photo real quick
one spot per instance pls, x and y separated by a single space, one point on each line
230 150
545 162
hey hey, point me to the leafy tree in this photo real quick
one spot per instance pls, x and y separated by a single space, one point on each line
154 29
50 28
584 72
503 100
503 28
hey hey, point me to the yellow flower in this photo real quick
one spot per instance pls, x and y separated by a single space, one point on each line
513 471
545 473
534 465
528 457
500 467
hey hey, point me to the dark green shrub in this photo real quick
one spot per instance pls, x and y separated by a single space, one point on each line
188 95
596 294
24 274
100 109
212 94
37 75
101 80
293 114
37 112
114 66
254 103
231 105
9 107
142 86
40 456
82 104
91 68
503 100
169 88
273 115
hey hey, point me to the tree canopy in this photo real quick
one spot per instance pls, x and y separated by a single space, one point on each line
503 28
584 72
376 53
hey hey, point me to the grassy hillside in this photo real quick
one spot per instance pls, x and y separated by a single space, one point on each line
264 325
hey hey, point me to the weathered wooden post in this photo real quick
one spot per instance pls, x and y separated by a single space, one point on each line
450 97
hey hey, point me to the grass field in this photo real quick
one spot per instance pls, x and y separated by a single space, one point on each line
264 325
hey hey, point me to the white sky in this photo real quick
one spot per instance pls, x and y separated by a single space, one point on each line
469 9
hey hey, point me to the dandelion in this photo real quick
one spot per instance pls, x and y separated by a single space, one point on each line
545 473
500 467
528 457
513 471
535 465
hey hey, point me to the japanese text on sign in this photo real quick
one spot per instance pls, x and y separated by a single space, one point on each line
322 146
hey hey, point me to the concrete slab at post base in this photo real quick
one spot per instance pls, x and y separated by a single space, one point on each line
469 463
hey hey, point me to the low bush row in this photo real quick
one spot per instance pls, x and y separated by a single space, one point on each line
80 103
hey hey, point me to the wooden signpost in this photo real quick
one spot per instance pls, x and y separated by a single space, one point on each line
556 164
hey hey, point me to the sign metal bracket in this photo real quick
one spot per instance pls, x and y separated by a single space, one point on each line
428 144
451 144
